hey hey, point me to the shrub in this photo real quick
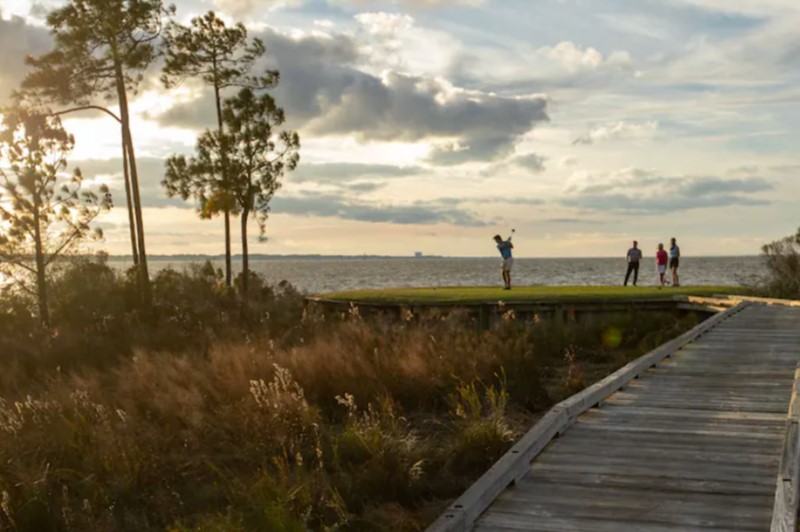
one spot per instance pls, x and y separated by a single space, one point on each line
381 458
482 432
782 260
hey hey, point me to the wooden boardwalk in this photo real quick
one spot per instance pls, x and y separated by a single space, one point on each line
695 443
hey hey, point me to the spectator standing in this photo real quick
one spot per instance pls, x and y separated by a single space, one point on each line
661 264
634 258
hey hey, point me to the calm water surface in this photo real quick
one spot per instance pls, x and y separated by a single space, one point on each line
326 275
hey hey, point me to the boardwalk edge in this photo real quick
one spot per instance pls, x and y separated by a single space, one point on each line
787 491
461 515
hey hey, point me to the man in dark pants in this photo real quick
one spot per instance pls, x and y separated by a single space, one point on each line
634 257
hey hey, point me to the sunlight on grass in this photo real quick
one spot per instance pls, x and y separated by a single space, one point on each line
524 293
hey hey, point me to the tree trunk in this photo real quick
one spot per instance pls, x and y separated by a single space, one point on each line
127 142
226 210
131 222
245 256
41 278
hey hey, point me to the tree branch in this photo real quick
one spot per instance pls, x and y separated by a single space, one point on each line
88 107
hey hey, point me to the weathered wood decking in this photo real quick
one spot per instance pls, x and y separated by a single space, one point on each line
700 441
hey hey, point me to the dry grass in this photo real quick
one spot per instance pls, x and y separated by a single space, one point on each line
354 425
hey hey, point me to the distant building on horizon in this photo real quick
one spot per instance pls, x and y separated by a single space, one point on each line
418 254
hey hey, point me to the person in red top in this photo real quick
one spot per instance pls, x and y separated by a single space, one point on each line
661 263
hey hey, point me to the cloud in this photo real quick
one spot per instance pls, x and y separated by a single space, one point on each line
562 66
338 173
572 56
348 208
18 39
570 221
531 162
151 172
244 8
644 192
618 131
402 107
324 93
382 23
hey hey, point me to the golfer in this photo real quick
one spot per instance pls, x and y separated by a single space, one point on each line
674 261
634 257
661 264
505 247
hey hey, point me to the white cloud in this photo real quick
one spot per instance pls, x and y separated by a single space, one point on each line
619 131
381 23
573 57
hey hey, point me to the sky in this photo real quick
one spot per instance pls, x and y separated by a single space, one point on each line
431 125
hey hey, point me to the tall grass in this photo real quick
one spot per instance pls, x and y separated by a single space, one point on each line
354 425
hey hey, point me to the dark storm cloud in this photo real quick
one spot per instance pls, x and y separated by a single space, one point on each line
18 40
348 208
324 93
642 192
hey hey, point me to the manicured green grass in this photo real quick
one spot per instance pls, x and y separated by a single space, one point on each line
523 293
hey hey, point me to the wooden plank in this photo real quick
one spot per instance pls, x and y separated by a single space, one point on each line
664 432
640 453
727 426
752 475
541 518
644 482
696 468
787 490
607 436
687 413
702 404
658 505
513 465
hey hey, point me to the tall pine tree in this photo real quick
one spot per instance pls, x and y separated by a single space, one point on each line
102 48
222 57
256 153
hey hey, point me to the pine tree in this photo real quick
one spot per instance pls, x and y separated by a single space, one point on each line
45 213
102 48
256 155
220 56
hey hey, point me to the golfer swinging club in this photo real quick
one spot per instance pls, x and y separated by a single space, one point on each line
505 247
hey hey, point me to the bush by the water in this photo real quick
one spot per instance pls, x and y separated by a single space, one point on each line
202 414
782 259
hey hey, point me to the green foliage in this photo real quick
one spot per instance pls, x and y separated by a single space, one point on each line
381 456
483 434
258 153
101 46
219 55
782 259
238 168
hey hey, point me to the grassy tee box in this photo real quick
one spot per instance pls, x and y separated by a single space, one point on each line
449 295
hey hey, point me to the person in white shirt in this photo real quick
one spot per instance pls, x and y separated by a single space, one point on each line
674 261
634 258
